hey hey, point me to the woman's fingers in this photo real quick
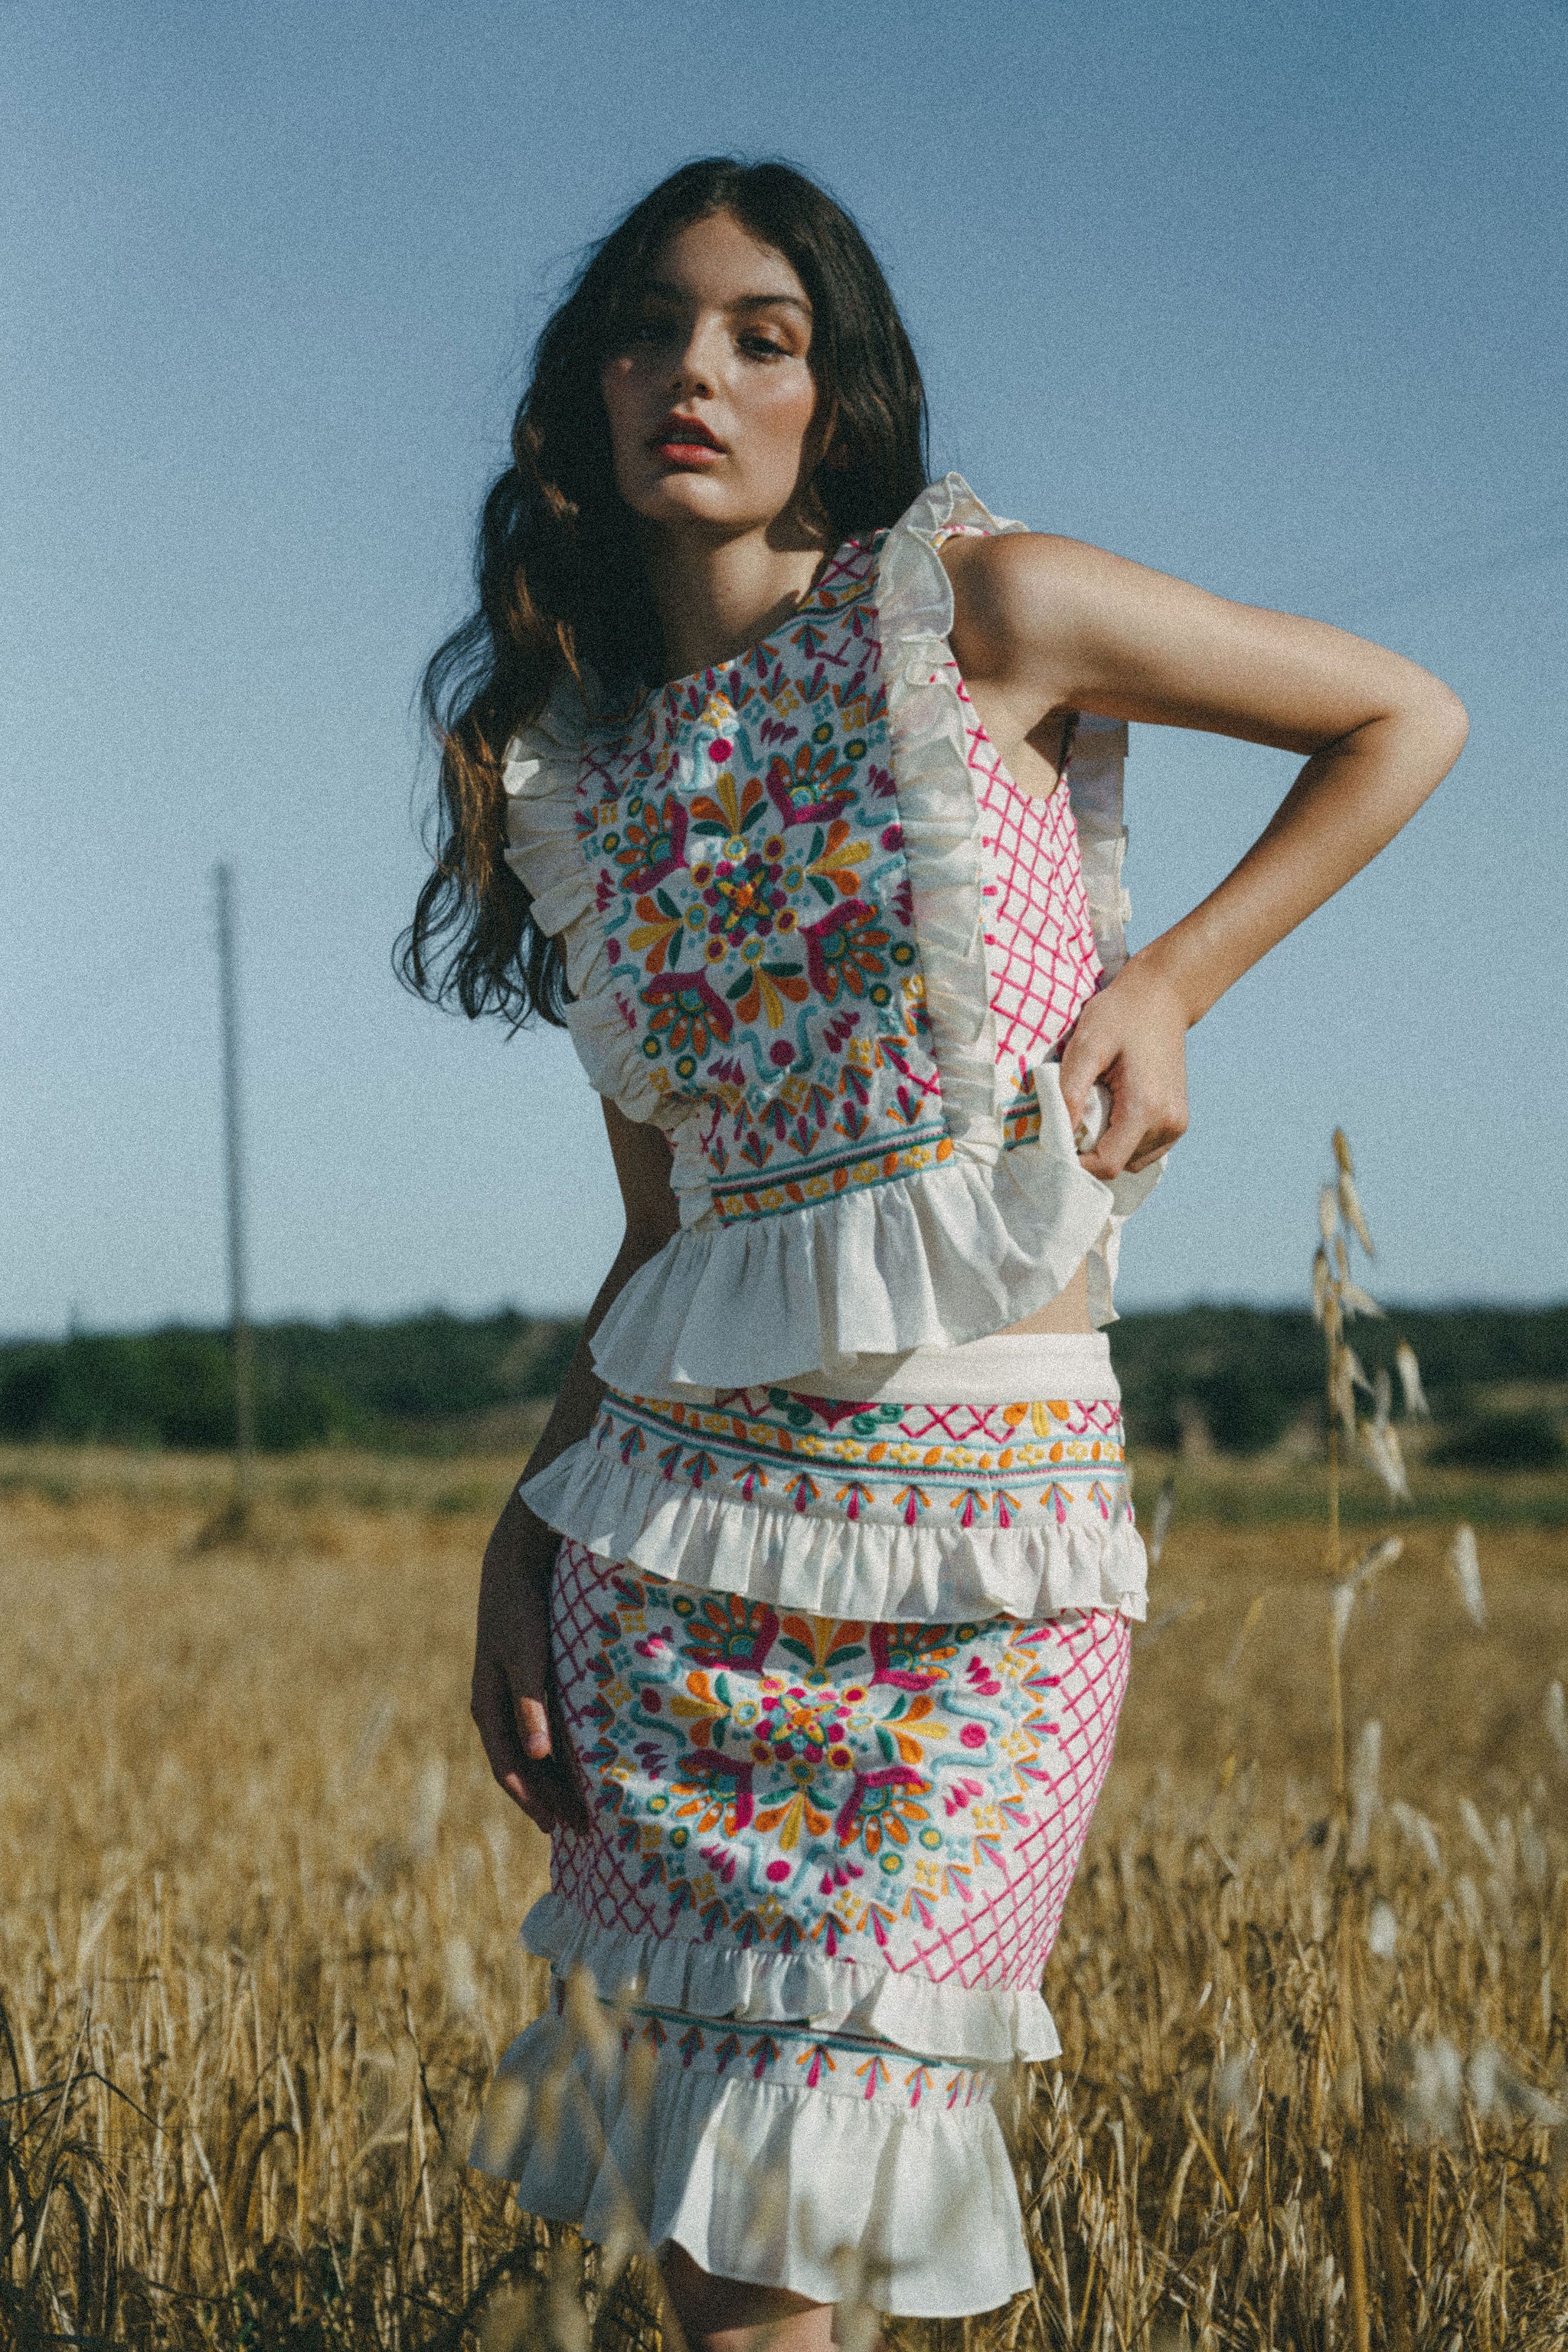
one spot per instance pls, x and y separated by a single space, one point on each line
514 1702
1081 1064
532 1723
498 1719
532 1801
495 1718
1138 1132
1124 1133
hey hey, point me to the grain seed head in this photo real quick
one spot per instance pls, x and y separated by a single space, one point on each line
1382 1930
1380 1442
1329 1215
1164 1511
1351 1209
1420 1832
1557 1721
1416 1405
1465 1560
1427 2082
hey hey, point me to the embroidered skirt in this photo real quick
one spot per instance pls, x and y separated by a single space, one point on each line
802 1940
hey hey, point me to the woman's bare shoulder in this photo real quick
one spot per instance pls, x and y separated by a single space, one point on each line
1018 589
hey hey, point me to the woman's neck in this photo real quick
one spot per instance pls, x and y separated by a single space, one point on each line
717 596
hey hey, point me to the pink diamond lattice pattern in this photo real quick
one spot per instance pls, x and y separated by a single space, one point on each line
915 1797
1040 938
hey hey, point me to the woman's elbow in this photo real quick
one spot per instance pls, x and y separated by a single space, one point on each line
1435 711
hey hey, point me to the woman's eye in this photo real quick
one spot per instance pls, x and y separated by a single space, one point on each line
762 347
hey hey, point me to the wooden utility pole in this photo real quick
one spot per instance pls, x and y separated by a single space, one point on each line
238 1314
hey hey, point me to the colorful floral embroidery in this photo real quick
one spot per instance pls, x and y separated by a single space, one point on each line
978 1466
918 1793
748 871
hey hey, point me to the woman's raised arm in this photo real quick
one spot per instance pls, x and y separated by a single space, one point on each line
1045 625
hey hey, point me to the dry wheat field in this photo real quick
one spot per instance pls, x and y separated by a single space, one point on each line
257 1957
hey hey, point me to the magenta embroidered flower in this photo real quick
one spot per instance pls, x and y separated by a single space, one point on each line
730 1627
653 843
685 1013
846 951
882 1804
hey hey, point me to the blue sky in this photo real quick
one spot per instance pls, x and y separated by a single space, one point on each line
1268 296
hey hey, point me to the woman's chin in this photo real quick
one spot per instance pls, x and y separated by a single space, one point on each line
683 495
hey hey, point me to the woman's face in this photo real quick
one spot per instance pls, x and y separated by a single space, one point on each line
710 394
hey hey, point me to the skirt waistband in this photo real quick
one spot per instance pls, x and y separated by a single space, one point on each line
997 1370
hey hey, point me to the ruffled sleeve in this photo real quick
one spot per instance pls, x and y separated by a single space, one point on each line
540 778
540 775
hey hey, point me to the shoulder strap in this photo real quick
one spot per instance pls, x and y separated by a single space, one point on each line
1099 748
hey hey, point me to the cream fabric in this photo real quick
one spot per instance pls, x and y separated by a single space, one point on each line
943 1258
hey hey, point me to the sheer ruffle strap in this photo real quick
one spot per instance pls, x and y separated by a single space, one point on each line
938 809
540 778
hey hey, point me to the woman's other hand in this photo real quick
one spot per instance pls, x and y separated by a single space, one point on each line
1131 1040
512 1704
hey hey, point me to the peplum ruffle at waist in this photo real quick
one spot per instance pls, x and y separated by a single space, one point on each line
937 1259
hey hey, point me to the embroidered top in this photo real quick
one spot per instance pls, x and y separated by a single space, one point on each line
815 931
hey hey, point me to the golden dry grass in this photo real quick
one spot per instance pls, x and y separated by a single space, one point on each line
256 1951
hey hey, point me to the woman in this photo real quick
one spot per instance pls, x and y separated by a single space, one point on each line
804 1634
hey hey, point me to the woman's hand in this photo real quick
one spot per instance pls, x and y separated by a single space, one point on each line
514 1700
1131 1040
513 1703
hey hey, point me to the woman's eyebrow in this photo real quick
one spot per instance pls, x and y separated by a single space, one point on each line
655 291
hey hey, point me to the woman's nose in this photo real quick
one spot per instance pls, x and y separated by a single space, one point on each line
693 372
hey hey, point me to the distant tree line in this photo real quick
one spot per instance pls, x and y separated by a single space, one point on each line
1241 1376
383 1384
1245 1375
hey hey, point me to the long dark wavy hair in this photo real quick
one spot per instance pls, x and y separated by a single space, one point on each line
560 580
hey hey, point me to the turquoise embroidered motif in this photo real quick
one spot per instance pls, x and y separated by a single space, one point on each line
748 868
912 1792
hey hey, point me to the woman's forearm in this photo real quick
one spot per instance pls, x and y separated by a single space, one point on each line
1348 802
577 1401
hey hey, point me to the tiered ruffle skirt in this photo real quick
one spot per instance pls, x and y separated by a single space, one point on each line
841 1681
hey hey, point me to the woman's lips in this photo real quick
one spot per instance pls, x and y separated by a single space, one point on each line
682 441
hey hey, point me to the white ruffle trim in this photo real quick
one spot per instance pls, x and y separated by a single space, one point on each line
727 1979
540 779
938 809
835 1567
540 776
916 2210
951 1255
